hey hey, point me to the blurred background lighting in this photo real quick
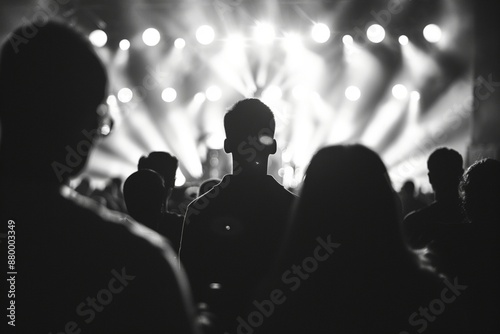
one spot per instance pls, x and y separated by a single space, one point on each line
124 44
403 40
432 33
125 95
151 37
347 40
320 33
205 34
264 33
352 93
375 33
415 95
180 43
98 38
272 93
168 94
399 91
213 93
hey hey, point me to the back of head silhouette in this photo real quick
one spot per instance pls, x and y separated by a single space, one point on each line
50 86
163 163
445 167
408 188
347 192
481 191
250 126
144 193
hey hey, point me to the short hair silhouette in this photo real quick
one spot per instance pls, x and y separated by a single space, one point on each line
445 167
58 62
144 193
408 187
245 119
163 163
481 191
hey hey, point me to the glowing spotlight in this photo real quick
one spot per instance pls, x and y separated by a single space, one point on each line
347 40
199 97
180 179
352 93
399 92
105 130
111 100
432 33
169 94
125 95
213 93
205 34
124 44
403 40
264 33
151 37
375 33
272 93
320 33
414 95
180 43
98 38
300 92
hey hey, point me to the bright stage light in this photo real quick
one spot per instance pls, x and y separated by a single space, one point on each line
347 40
125 95
199 97
180 179
180 43
151 37
235 41
375 33
415 95
320 33
264 33
98 38
124 44
403 40
272 93
399 92
205 34
169 94
111 100
432 33
215 141
352 93
213 93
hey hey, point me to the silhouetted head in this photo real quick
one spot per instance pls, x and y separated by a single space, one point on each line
207 185
163 163
445 167
481 191
51 84
347 193
408 188
250 127
144 194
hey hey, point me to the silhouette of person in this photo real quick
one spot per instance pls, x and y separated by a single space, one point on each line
408 200
232 232
475 254
166 166
144 193
440 220
344 267
80 270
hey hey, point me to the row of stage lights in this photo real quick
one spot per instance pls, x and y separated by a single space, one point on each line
271 93
264 33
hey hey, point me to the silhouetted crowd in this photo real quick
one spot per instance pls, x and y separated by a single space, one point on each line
347 255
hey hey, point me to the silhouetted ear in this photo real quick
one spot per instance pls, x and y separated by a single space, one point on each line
227 146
